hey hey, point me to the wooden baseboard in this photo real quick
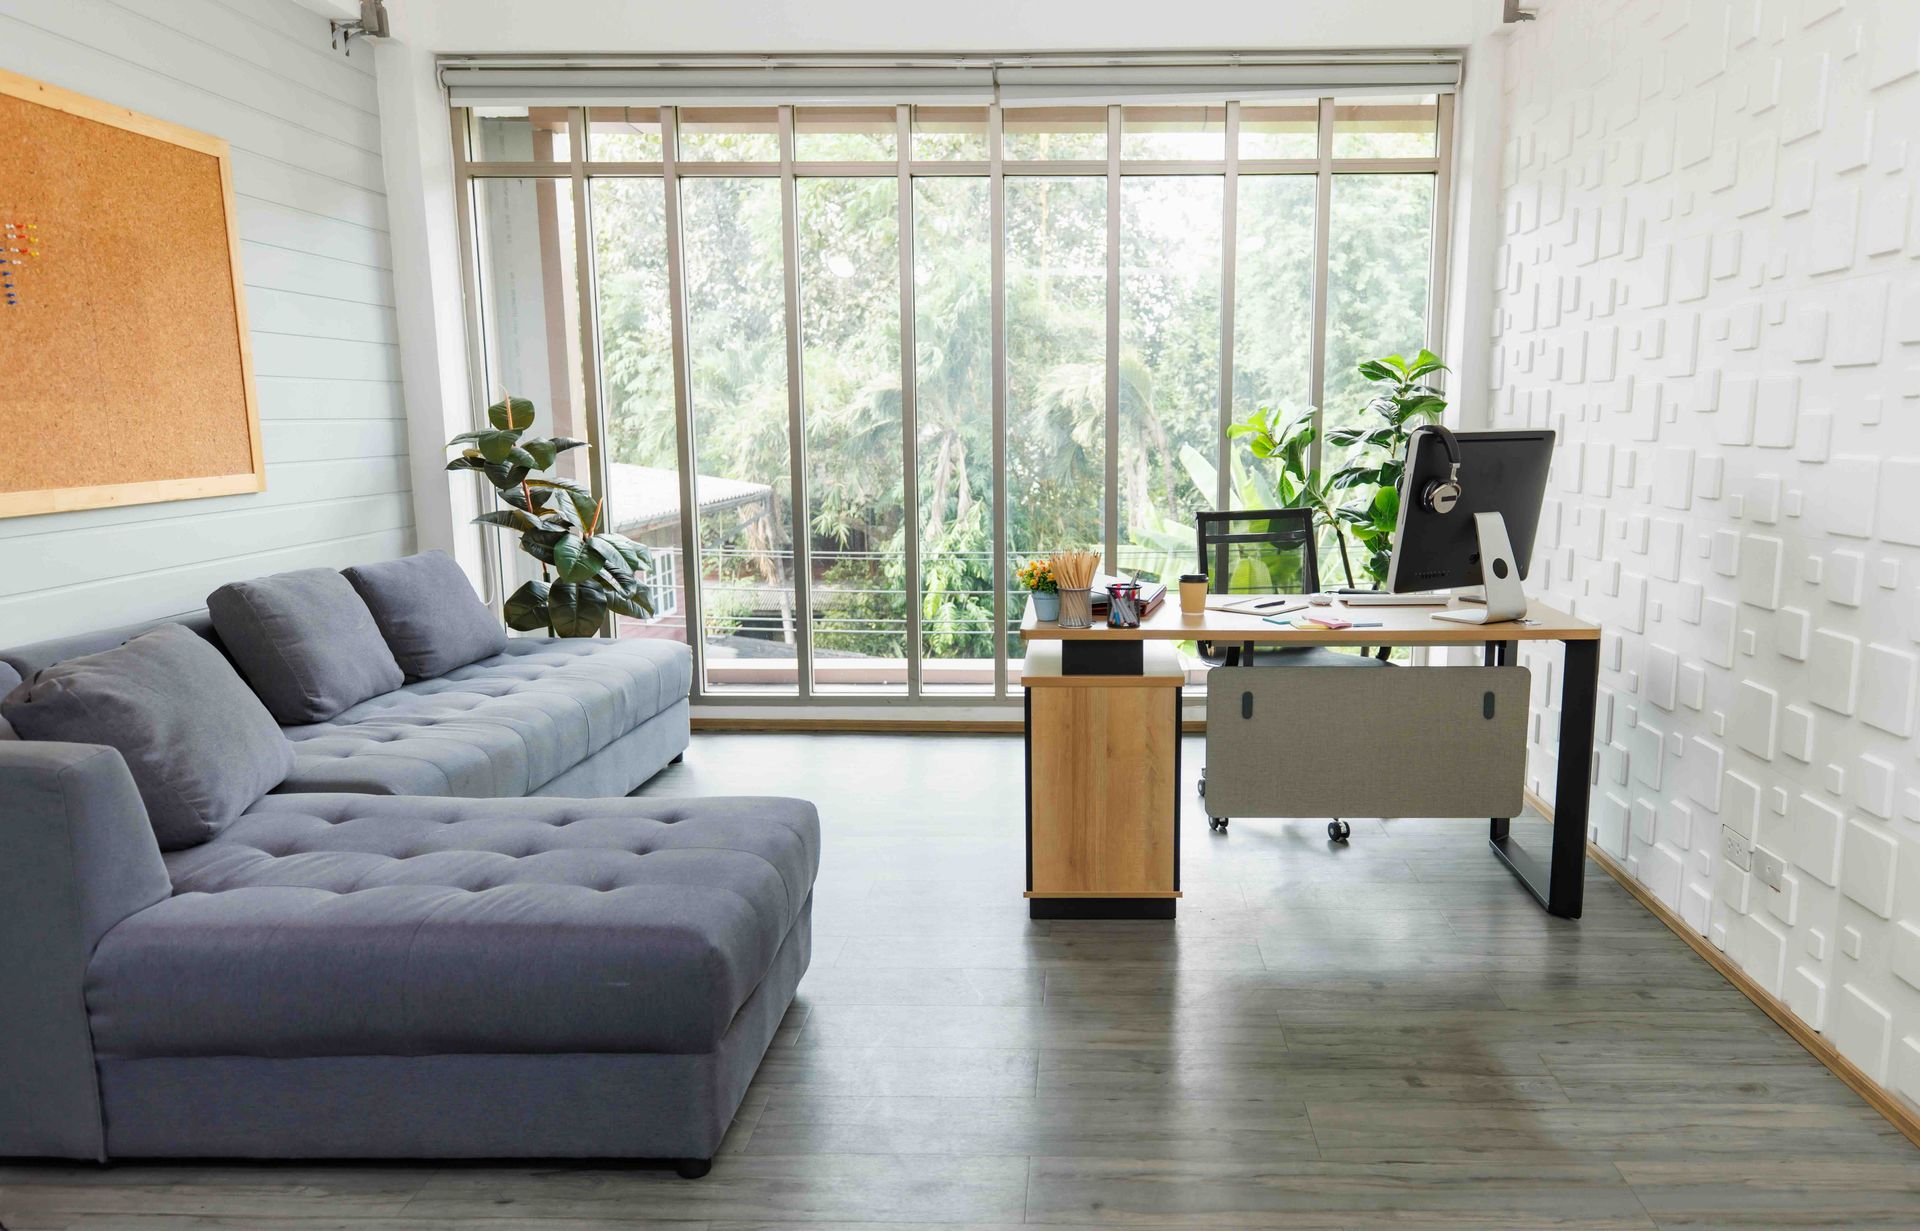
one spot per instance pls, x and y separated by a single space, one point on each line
1877 1096
897 726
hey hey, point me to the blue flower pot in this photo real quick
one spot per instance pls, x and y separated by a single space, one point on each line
1045 606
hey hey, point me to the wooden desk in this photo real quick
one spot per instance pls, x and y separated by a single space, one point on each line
1102 743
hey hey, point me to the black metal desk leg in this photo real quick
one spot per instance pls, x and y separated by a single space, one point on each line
1560 883
1579 694
1500 654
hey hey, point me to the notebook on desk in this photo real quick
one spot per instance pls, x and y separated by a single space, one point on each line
1256 604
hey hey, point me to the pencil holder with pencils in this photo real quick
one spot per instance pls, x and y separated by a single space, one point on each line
1073 570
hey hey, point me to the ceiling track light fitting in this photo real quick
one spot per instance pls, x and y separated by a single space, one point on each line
372 23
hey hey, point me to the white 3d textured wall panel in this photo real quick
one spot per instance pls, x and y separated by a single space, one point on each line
1710 286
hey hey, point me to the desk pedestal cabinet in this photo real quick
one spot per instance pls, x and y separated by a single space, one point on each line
1103 789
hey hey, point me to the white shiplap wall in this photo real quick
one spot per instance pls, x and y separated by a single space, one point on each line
1710 286
305 132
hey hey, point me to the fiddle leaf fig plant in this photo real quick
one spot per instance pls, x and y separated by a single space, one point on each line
585 572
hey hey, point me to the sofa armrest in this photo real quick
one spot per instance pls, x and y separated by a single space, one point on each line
76 857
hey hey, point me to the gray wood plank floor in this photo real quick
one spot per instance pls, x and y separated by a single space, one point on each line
1386 1035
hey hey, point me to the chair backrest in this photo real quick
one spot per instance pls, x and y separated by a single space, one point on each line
1259 551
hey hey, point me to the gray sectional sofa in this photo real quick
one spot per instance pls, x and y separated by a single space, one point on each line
443 933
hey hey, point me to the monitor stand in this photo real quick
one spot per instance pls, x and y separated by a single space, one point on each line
1499 573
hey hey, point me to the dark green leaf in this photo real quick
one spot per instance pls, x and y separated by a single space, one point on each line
576 610
541 451
538 546
615 559
511 519
496 446
637 604
575 560
503 476
582 498
511 414
526 608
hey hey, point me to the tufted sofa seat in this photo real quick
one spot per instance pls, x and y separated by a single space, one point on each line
506 726
327 925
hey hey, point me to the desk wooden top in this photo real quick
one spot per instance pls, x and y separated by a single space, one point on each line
1398 626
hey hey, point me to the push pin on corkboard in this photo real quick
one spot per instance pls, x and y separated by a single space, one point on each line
19 244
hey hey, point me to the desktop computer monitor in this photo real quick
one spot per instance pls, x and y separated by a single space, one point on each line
1468 515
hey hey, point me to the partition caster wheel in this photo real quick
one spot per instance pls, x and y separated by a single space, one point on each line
1203 784
1339 831
1217 823
692 1168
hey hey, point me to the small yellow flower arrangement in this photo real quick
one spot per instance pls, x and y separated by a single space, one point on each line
1036 577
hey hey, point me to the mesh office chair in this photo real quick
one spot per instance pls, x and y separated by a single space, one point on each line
1266 551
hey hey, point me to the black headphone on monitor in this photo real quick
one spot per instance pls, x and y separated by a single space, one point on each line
1441 495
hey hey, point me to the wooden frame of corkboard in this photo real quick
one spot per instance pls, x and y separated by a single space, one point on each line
125 360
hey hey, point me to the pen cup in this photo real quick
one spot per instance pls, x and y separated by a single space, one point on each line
1193 593
1076 608
1123 605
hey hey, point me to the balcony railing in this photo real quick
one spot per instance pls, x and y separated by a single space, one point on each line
860 627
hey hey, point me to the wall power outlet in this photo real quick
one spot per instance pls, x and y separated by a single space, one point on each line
1735 848
1768 867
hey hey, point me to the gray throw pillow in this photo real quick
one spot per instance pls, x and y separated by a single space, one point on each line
201 748
429 614
306 643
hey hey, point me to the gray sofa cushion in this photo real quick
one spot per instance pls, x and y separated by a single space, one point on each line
501 727
428 613
325 925
199 745
305 641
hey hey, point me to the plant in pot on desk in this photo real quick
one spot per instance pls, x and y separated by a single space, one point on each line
586 572
1362 495
1043 592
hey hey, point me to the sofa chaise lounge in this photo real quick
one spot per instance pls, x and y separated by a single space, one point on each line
444 932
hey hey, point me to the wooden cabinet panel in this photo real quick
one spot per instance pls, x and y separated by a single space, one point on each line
1103 790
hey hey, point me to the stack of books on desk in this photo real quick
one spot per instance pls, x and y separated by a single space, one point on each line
1152 594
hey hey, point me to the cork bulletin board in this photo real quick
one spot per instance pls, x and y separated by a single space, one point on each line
125 372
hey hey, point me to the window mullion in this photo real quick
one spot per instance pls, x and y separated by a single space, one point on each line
799 514
909 405
1322 211
1440 227
586 294
1111 505
492 568
692 568
997 256
1229 253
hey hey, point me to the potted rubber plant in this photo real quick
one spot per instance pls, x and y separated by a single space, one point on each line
586 572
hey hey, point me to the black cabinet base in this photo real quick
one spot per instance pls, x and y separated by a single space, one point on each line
1101 908
1103 657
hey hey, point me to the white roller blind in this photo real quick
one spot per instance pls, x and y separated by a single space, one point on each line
482 85
1049 86
1015 82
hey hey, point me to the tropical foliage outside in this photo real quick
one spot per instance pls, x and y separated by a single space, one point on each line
1170 369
